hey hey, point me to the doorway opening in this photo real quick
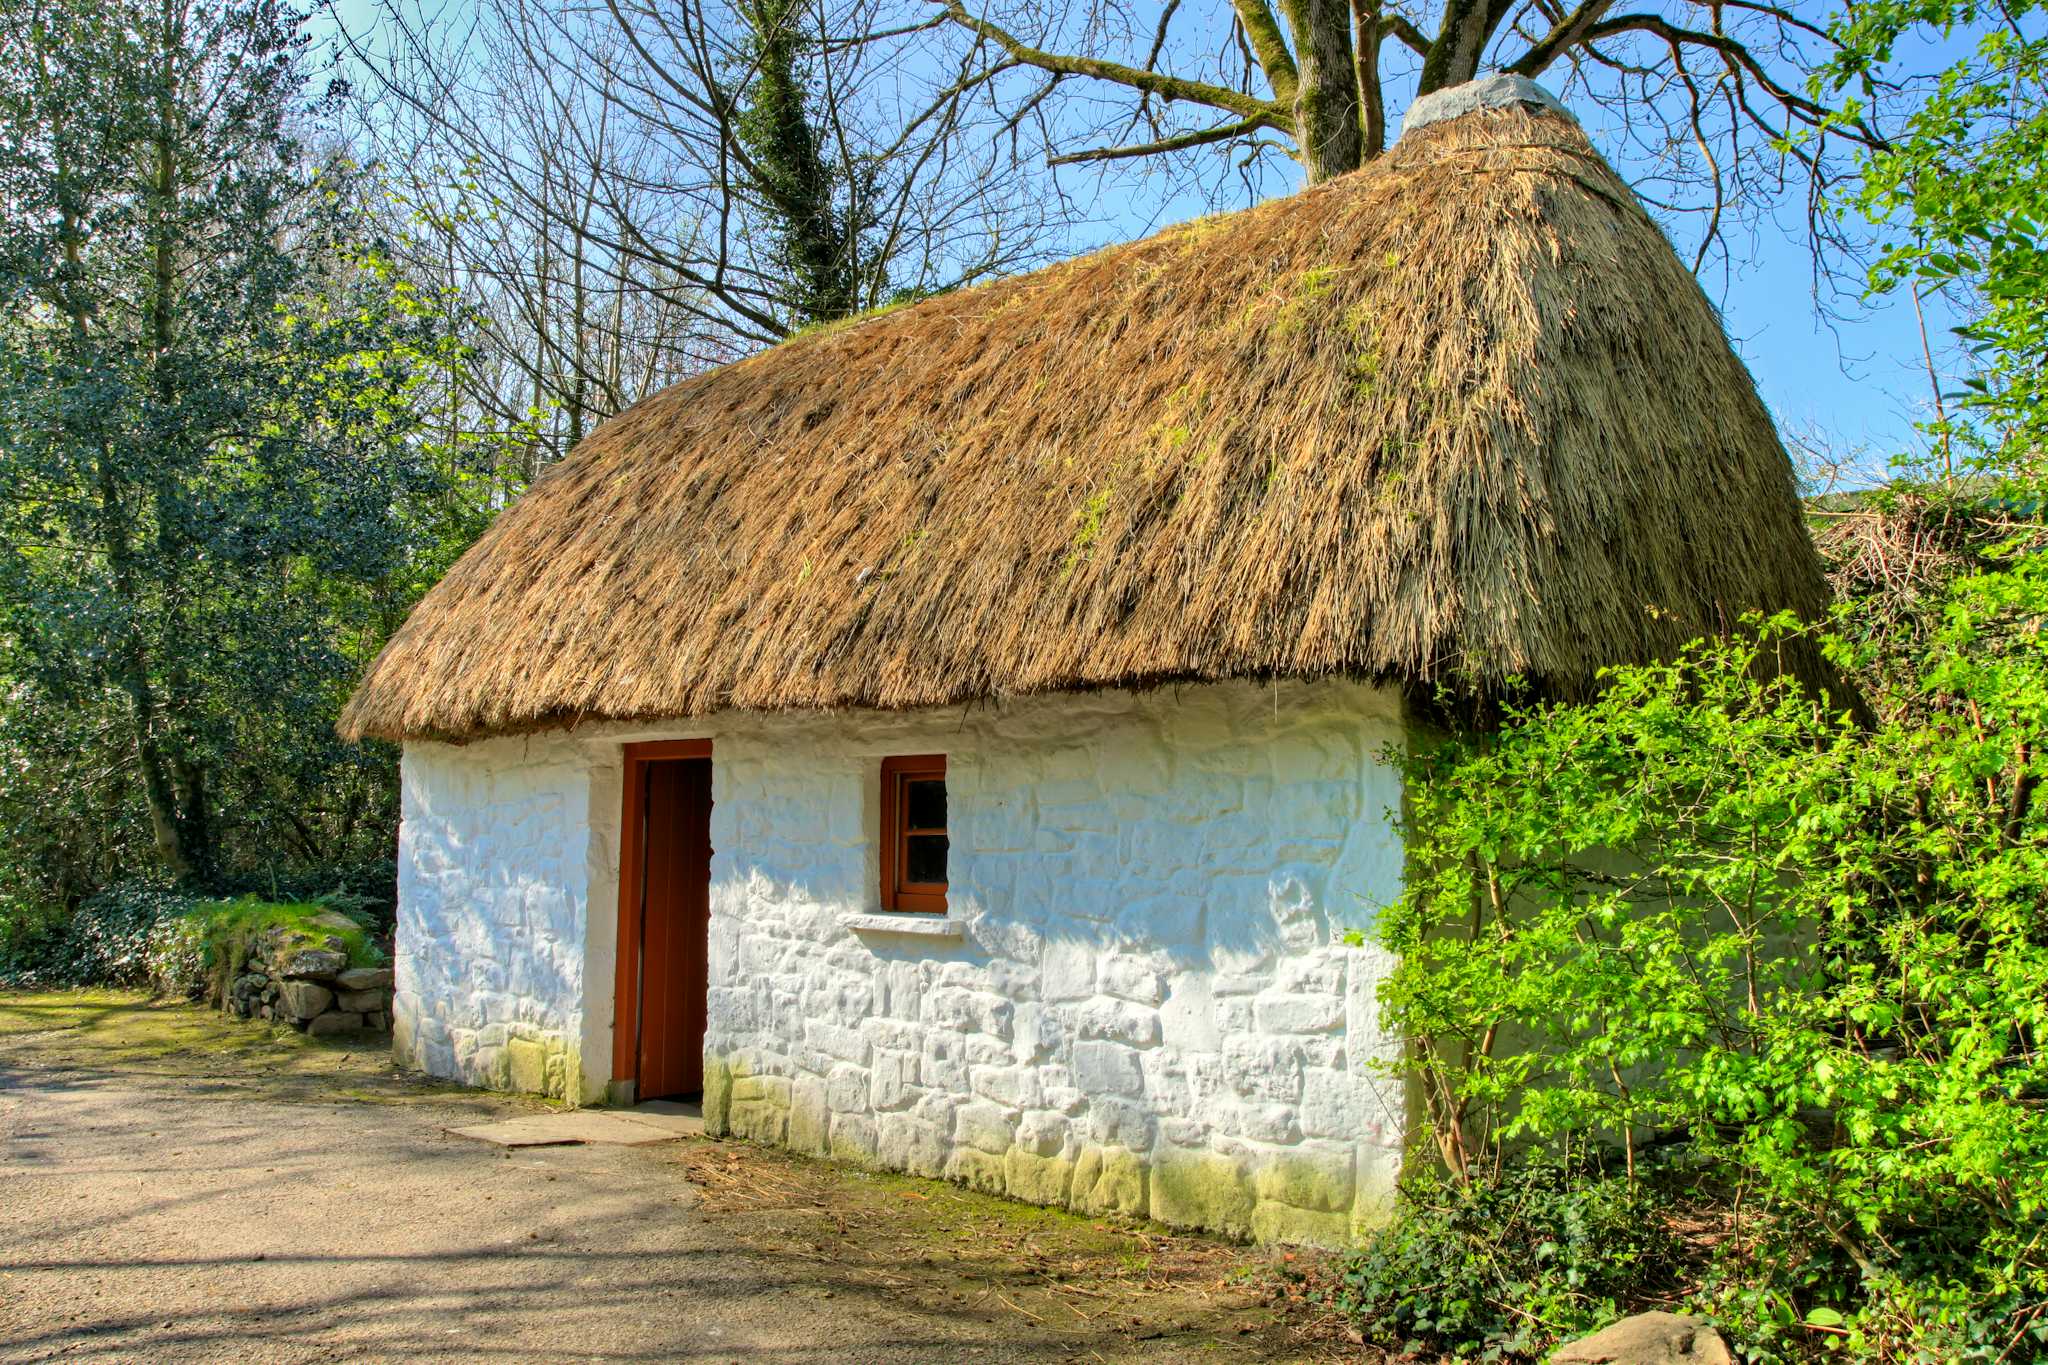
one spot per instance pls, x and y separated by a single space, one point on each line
664 920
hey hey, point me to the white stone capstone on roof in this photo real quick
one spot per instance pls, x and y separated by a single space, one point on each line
1488 92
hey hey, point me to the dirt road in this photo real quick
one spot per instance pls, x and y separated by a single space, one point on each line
164 1201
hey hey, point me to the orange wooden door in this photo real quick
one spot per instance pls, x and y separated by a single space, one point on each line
674 927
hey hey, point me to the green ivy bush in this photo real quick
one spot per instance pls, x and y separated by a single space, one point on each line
107 940
1713 910
144 934
1545 1248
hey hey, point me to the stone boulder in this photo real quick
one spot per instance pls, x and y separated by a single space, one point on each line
361 1002
304 999
1648 1339
334 1021
313 964
365 979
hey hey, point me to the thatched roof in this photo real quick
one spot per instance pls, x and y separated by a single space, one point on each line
1460 415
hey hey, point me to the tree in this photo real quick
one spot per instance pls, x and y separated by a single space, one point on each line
205 408
1957 194
624 194
820 222
1711 96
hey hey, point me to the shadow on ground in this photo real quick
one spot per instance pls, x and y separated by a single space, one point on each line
177 1187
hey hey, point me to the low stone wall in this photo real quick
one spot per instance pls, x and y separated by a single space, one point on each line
312 989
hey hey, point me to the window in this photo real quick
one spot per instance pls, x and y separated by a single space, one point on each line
914 833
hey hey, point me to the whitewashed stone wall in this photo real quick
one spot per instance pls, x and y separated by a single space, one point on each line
1148 1007
494 851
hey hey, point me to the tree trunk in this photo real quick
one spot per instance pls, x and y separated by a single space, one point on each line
131 672
130 663
1371 32
1454 57
156 783
169 776
1326 113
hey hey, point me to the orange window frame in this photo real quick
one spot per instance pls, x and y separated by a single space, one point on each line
928 898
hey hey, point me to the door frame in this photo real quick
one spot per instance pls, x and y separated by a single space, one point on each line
632 894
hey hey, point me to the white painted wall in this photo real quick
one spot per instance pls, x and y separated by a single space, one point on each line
1149 1007
495 853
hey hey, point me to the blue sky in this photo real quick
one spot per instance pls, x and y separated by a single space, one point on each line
1852 372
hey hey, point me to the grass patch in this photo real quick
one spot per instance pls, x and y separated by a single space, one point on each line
203 950
97 1027
307 924
127 1032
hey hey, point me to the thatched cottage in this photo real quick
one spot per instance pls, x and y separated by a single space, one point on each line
956 740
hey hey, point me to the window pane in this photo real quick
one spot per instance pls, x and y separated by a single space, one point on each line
924 858
925 804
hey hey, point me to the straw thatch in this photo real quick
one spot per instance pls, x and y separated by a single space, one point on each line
1460 415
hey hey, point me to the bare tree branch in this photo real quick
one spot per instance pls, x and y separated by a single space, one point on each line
1267 113
1200 138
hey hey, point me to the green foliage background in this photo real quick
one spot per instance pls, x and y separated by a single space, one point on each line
226 470
1766 971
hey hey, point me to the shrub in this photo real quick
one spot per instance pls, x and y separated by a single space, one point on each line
141 933
1507 1265
106 941
1711 908
34 944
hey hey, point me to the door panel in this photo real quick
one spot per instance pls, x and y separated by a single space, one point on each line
674 927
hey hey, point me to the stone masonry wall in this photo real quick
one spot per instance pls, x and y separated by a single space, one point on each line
311 988
492 914
1145 1005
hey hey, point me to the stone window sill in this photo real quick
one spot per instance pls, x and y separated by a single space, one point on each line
917 926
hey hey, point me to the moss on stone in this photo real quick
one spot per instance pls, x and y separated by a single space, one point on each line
1202 1190
853 1140
810 1119
1108 1180
1290 1198
1324 1187
210 945
977 1170
769 1089
718 1082
757 1108
526 1066
1275 1222
1037 1179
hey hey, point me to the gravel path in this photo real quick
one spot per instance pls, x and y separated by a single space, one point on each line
165 1218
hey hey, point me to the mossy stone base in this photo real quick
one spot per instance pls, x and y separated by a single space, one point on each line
1203 1190
718 1079
758 1109
977 1170
540 1064
1109 1180
853 1139
1310 1198
527 1066
1305 1227
1324 1187
810 1119
1037 1179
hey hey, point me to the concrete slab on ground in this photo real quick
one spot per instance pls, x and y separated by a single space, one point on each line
574 1126
671 1116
